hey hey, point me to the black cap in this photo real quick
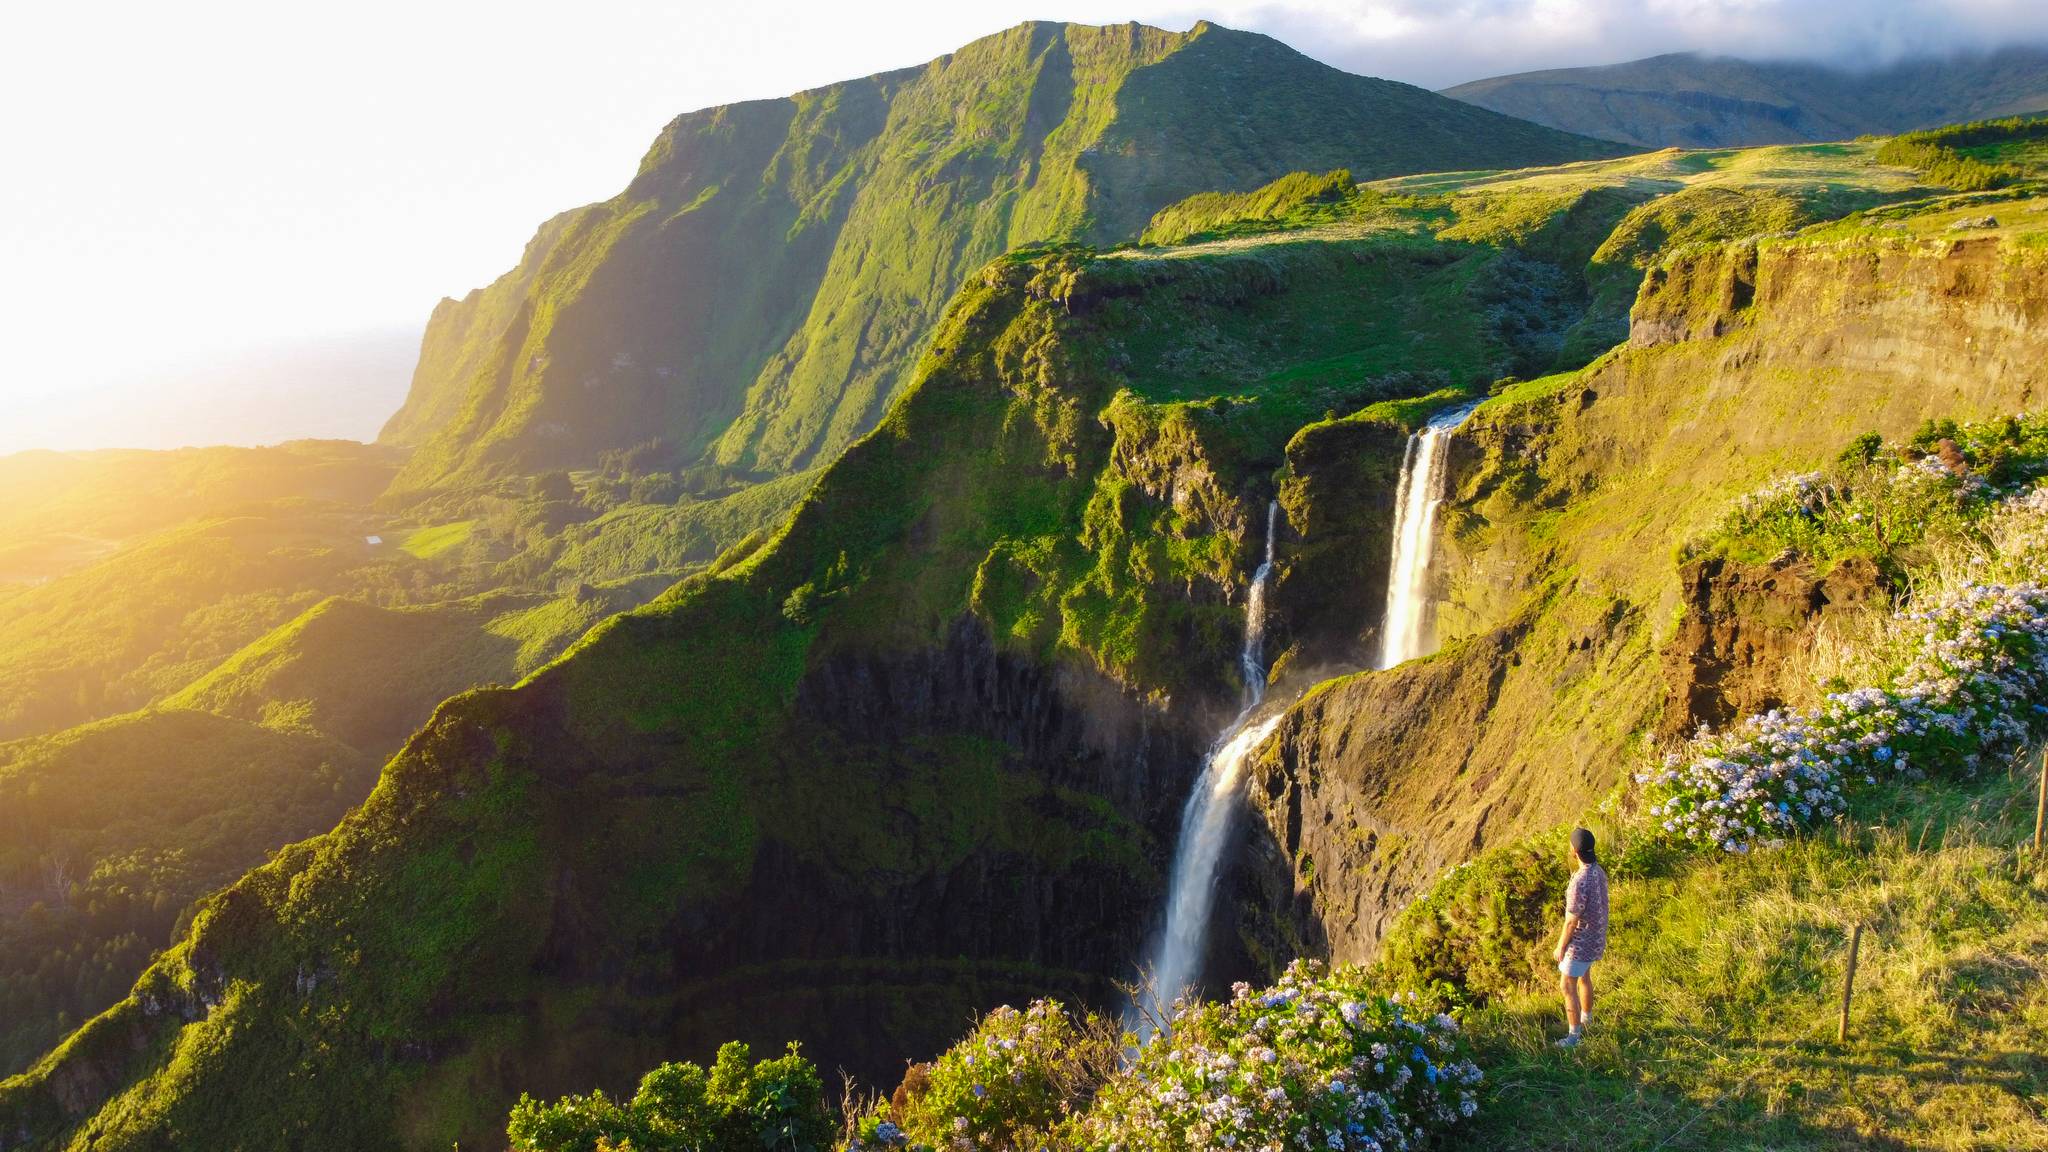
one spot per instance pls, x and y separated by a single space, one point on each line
1582 844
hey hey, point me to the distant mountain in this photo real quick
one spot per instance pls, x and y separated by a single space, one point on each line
1688 101
763 288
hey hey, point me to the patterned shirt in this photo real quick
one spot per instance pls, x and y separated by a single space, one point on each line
1587 899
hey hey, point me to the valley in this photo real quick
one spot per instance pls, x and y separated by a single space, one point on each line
1101 534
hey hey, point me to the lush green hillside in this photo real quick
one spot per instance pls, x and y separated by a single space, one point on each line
761 291
60 511
370 676
243 583
924 748
1689 101
115 635
109 832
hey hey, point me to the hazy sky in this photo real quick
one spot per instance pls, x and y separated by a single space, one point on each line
196 181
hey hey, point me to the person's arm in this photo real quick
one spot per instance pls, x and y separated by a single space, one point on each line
1572 903
1571 924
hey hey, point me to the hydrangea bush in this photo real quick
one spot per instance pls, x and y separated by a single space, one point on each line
1318 1061
1011 1084
1963 679
1315 1062
1883 503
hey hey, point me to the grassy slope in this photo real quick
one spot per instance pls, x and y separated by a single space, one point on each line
854 211
238 581
1716 1023
1700 102
62 510
1056 473
369 676
108 833
132 628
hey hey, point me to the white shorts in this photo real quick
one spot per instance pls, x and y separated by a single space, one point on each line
1574 968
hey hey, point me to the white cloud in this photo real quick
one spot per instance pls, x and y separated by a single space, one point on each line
1437 44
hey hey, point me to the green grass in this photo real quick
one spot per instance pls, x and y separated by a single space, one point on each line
1717 1005
427 543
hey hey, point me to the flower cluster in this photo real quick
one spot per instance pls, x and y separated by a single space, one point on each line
1315 1062
1802 494
1968 680
1010 1084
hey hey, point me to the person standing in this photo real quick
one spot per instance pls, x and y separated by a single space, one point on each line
1583 939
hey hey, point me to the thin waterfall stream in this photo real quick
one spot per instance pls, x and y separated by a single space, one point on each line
1205 822
1408 628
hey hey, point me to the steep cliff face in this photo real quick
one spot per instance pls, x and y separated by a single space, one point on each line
762 290
1575 636
1745 630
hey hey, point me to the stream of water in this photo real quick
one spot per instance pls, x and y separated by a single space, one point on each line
1409 624
1205 822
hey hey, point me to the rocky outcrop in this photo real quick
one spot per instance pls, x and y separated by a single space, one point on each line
1366 792
1747 631
1338 492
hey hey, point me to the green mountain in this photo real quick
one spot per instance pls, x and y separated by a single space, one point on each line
1687 101
189 622
760 293
110 831
923 749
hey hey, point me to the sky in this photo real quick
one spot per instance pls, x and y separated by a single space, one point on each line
216 187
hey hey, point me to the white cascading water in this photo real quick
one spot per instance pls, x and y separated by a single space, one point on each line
1205 822
1408 629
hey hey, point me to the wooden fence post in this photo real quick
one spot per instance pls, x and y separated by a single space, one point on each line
2041 805
1849 981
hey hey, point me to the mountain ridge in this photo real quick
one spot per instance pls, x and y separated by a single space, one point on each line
1691 100
760 291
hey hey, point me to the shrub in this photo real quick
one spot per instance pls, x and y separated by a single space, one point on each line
1946 166
1317 1061
1012 1084
777 1103
1482 931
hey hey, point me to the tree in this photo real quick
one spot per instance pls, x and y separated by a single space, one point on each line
774 1104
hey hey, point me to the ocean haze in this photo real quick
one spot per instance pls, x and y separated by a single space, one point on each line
339 387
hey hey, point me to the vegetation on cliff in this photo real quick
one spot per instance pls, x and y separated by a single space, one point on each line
1749 948
918 750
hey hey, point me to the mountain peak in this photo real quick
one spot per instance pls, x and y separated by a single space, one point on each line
761 291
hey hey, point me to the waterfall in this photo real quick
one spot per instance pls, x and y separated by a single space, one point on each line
1408 629
1205 822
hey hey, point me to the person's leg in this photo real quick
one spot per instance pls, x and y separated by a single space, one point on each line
1570 987
1586 997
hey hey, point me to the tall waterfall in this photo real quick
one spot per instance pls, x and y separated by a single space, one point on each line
1205 822
1408 629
